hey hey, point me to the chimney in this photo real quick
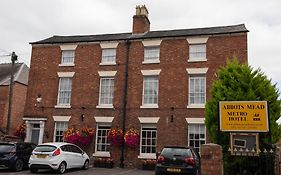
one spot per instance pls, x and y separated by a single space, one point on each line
141 22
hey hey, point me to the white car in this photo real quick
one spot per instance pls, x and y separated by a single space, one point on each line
58 156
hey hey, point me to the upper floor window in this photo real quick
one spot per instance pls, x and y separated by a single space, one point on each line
197 89
150 90
64 90
151 54
106 92
108 56
197 51
67 57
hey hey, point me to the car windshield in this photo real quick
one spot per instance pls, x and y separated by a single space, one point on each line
45 148
5 148
170 152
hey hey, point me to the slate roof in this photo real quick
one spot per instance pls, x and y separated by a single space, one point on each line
152 34
20 73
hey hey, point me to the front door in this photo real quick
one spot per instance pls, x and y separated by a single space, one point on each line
35 131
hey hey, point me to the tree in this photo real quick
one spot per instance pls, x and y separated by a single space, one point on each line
240 82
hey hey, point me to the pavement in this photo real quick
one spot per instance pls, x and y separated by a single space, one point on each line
90 171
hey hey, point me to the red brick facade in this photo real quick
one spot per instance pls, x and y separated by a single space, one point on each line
173 86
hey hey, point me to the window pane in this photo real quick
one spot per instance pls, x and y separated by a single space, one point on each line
68 56
108 55
64 95
197 89
196 135
106 90
149 140
150 91
101 141
197 51
60 127
151 53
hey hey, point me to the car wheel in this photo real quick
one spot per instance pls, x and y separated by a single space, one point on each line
86 165
33 170
62 168
18 166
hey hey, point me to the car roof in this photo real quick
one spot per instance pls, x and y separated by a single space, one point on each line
182 147
56 144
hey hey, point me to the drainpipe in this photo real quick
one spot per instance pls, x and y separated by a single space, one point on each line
128 43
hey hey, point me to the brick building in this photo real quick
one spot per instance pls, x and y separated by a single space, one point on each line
154 81
18 97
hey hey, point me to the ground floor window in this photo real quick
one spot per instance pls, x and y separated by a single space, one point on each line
102 144
148 139
196 135
60 127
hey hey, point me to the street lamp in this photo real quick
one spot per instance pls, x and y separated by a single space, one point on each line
14 58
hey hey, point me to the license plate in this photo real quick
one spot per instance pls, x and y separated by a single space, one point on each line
174 170
41 156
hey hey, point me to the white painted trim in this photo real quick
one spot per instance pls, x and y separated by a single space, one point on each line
196 106
147 156
62 106
107 73
108 64
109 45
150 72
195 120
197 70
197 40
104 119
147 43
149 120
66 64
33 119
61 118
149 106
101 154
197 60
105 106
66 74
68 47
151 62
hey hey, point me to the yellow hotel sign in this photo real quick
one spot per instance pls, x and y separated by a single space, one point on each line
245 116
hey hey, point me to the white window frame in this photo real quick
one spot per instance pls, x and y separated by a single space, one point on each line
102 121
108 46
105 98
64 75
106 75
197 41
148 44
59 119
60 129
150 73
149 56
106 54
196 54
107 144
200 72
67 48
153 128
192 122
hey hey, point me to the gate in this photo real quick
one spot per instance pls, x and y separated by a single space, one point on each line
266 163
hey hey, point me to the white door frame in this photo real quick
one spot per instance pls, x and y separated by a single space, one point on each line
29 122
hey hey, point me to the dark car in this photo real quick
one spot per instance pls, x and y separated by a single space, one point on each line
15 155
178 160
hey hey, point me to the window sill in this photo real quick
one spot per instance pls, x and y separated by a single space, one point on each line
101 154
196 60
62 106
105 106
66 65
149 106
108 64
147 156
151 62
196 106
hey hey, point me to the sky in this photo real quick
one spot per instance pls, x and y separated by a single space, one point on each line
24 21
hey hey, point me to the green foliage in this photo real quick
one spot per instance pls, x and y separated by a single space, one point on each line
240 82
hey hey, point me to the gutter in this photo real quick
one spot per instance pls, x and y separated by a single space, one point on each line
128 43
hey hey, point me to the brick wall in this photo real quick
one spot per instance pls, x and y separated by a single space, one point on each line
173 86
211 159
